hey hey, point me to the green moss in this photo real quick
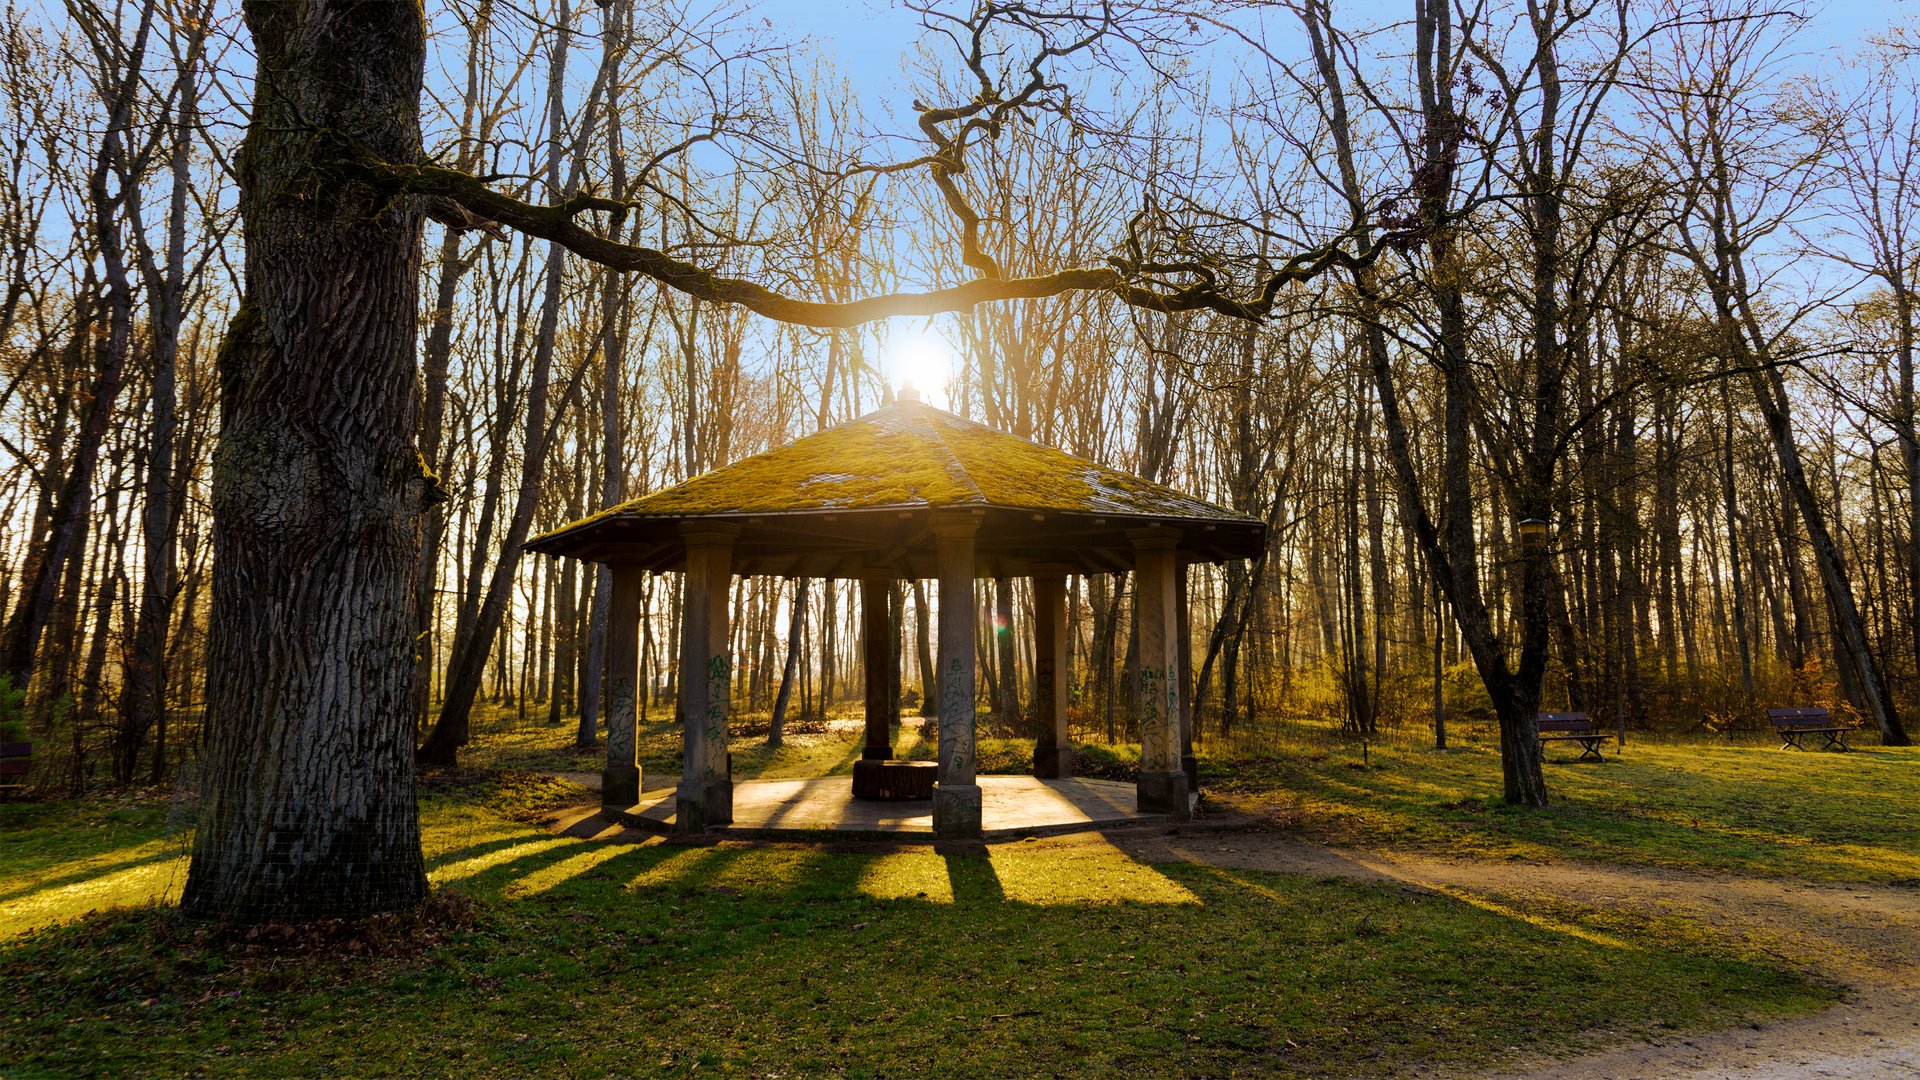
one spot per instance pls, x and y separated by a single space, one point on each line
911 456
1011 471
857 465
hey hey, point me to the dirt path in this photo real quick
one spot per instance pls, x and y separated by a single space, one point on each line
1866 937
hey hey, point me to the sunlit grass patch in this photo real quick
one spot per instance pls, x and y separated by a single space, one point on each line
583 860
1741 810
133 886
62 859
912 873
1094 873
447 873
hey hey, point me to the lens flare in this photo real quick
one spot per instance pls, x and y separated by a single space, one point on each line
917 355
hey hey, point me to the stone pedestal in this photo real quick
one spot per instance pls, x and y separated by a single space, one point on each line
701 804
956 811
1163 793
894 779
1054 762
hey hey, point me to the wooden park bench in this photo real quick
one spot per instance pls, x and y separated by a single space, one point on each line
16 761
1572 727
1795 724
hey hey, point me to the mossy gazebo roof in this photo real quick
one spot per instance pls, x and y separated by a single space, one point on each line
861 497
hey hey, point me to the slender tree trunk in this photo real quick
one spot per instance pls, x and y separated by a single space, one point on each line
467 665
1904 430
1736 583
92 678
829 643
67 528
796 627
560 694
1453 554
145 695
923 650
1008 683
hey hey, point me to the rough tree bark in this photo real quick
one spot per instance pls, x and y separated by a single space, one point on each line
307 802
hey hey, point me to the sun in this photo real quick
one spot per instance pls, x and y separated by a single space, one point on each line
916 354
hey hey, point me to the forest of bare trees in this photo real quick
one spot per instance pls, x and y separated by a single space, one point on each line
1627 268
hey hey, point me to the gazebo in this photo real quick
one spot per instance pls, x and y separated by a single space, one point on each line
908 491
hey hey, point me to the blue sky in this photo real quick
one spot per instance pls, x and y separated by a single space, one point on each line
868 40
870 36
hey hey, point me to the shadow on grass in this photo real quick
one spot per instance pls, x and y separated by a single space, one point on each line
971 878
673 958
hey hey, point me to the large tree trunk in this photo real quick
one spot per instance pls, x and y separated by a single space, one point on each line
307 804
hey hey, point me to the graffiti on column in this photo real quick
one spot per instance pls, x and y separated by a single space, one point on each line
719 679
620 719
1044 705
956 713
1153 736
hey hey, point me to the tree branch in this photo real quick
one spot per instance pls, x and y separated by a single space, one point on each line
1121 277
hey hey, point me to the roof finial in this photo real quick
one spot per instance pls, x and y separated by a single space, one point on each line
907 392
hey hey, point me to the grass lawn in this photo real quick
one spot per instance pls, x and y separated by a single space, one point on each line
553 954
1746 810
1742 809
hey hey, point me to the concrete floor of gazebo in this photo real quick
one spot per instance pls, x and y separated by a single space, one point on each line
1011 806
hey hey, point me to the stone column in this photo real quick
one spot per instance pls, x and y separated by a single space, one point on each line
1052 756
877 637
705 795
1183 656
956 798
1162 786
620 780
